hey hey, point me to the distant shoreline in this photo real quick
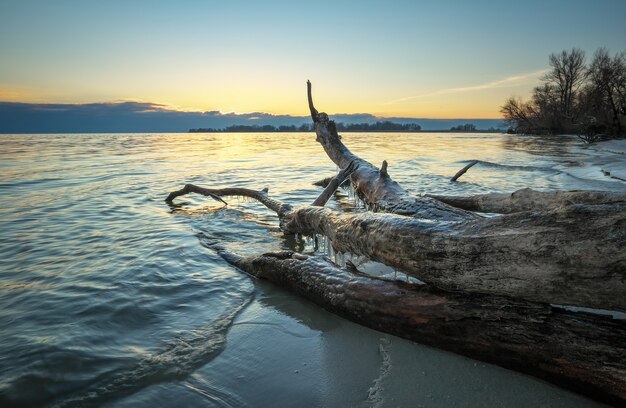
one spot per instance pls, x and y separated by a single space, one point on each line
224 132
348 131
378 127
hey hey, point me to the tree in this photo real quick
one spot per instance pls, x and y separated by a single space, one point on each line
606 90
567 75
521 116
468 127
573 98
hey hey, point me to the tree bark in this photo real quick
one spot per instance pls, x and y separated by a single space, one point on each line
529 200
584 352
572 255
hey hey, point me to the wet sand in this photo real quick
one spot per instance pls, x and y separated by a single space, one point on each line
283 352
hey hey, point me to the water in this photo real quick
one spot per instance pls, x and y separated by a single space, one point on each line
108 297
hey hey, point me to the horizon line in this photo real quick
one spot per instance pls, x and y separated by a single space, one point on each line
163 107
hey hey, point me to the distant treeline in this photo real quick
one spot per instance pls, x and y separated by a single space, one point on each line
254 128
384 126
589 100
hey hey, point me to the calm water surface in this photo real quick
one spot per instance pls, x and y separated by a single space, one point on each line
108 297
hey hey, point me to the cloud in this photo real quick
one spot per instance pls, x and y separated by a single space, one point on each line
514 80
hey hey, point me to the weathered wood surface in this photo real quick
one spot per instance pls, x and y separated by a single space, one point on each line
584 352
463 170
529 200
560 248
374 186
571 255
570 252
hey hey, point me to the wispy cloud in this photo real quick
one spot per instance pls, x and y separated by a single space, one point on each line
499 83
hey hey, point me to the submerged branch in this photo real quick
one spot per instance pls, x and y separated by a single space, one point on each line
216 193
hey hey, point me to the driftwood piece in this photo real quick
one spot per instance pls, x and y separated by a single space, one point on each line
560 248
584 352
375 187
334 184
571 255
570 252
529 200
463 170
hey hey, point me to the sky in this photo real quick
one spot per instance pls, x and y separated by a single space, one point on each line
439 59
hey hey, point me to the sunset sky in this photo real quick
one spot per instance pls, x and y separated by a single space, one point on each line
439 59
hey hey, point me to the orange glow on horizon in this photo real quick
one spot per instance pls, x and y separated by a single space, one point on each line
289 100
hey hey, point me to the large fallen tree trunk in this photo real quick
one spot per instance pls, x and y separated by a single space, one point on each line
578 350
571 255
529 200
567 254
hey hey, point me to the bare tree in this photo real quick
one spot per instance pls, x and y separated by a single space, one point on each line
607 88
567 75
575 99
520 115
546 102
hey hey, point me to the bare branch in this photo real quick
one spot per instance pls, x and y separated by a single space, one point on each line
259 195
463 170
334 184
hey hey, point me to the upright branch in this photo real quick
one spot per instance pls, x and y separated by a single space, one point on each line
463 170
334 184
374 186
314 114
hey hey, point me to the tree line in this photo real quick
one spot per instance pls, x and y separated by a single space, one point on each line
589 100
381 126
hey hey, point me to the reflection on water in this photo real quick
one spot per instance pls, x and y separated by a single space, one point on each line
556 146
100 278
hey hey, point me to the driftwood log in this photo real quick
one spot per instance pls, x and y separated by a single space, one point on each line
490 280
463 170
568 250
572 255
580 351
374 186
529 200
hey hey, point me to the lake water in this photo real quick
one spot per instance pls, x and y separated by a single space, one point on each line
109 298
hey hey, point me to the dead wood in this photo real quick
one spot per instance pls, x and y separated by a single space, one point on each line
463 170
563 247
571 255
491 279
375 187
529 200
